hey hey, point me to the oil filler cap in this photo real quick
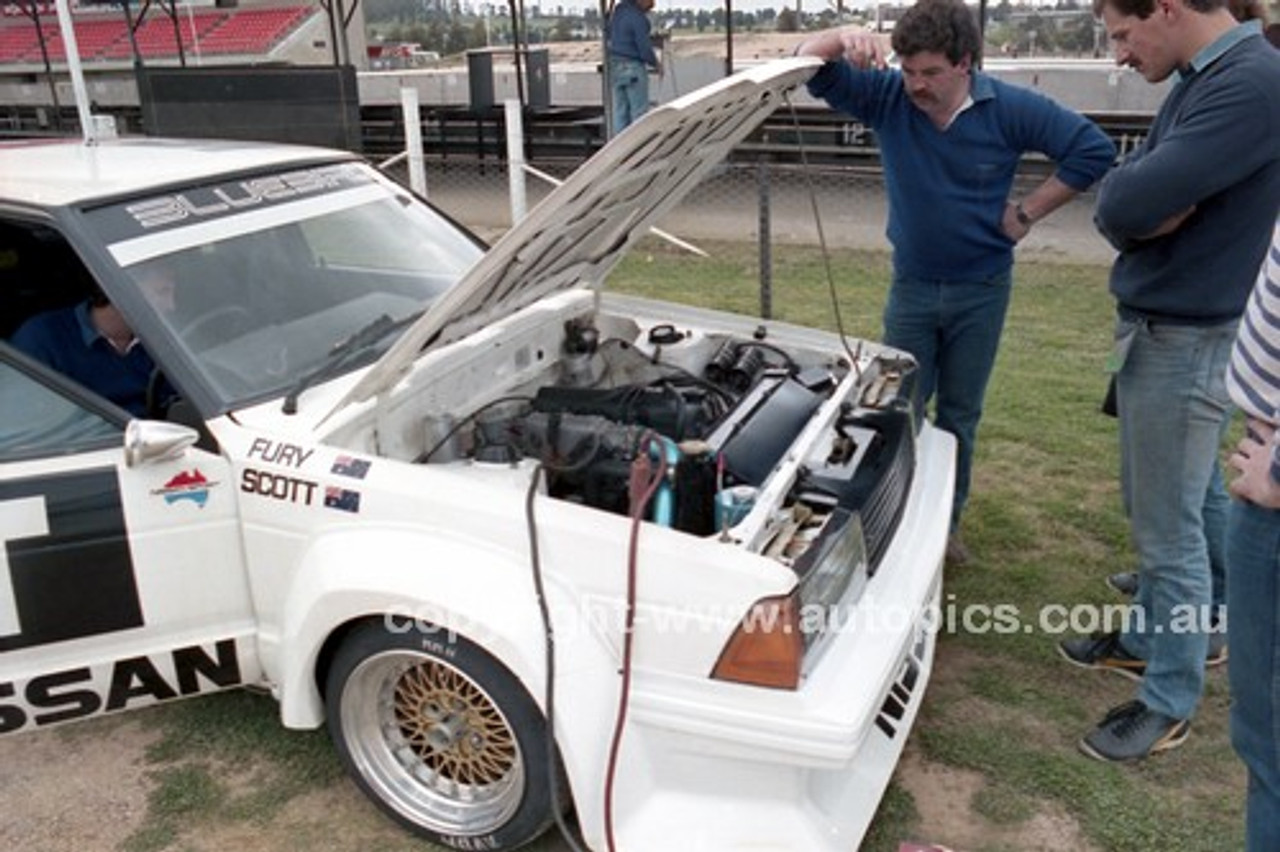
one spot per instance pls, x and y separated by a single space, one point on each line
665 335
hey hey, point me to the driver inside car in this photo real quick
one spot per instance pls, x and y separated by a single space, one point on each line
92 343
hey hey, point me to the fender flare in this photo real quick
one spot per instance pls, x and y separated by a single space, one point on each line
449 583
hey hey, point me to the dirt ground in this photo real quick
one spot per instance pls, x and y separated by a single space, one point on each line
74 790
86 788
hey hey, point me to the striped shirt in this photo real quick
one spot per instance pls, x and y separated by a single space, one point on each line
1254 376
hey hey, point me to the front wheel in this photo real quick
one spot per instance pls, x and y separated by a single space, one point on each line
441 736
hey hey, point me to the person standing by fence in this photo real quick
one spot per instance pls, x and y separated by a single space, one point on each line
950 140
631 55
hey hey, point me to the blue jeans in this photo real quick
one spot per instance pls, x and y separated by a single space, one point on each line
1172 401
629 79
1215 524
1216 503
1253 594
953 330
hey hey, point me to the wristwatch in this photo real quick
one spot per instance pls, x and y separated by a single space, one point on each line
1021 215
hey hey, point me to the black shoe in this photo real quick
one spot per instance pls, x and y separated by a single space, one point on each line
1217 649
1126 583
1103 651
1132 732
957 554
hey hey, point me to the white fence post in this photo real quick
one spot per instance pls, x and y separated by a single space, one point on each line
515 159
413 140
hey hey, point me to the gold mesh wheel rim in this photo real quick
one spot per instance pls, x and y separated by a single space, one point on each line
431 743
453 726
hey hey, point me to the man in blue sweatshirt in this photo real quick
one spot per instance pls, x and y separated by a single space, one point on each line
631 55
93 344
950 140
1191 212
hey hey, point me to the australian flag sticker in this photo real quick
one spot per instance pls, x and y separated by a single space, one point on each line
343 499
350 466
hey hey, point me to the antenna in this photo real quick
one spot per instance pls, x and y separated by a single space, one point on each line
77 73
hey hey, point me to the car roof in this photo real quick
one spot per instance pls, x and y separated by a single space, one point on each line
60 172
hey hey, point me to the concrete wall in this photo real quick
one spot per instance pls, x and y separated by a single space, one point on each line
1086 85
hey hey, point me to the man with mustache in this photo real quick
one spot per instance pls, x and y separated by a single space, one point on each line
1191 213
950 140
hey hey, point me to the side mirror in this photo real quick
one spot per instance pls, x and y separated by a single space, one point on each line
147 441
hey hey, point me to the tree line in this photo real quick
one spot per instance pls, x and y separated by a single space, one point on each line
450 27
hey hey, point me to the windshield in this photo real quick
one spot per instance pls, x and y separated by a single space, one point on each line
253 283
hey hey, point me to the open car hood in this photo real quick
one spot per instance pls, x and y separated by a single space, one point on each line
585 225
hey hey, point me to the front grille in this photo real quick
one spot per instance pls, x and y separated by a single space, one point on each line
875 482
882 510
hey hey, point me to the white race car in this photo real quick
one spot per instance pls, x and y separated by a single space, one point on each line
522 546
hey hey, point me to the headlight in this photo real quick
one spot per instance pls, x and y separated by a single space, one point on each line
771 642
833 573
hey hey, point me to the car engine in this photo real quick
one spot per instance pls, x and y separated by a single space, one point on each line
722 419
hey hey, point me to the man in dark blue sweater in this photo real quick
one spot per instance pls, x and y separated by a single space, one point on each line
1191 212
950 140
91 343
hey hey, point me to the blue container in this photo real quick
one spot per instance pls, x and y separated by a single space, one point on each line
733 504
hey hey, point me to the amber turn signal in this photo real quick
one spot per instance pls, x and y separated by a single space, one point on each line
767 648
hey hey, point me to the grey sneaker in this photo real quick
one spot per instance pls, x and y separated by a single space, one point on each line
1132 731
1126 583
1102 651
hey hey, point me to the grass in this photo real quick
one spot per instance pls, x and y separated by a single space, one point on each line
1046 526
183 796
226 759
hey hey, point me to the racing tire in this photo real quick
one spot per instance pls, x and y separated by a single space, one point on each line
441 736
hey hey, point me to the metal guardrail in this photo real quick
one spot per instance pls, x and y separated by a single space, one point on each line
573 134
817 135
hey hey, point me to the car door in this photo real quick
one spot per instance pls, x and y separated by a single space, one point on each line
122 580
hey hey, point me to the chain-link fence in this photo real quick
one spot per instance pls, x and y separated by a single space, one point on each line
761 217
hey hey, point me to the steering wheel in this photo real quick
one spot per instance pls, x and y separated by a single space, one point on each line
158 401
233 316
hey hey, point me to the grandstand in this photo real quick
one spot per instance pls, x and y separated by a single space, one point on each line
203 34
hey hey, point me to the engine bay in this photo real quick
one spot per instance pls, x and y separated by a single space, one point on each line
719 412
